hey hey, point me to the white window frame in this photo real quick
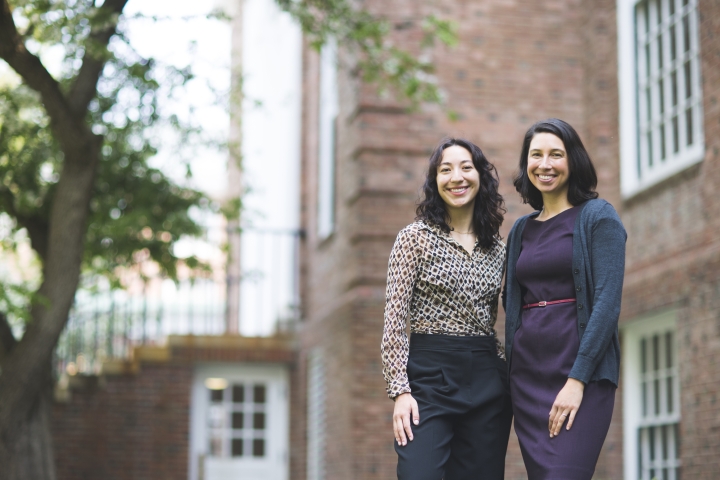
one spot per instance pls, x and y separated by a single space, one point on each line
327 122
316 417
633 420
638 172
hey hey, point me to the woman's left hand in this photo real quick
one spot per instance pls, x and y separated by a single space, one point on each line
566 406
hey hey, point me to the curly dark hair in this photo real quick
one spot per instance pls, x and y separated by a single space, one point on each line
489 205
583 179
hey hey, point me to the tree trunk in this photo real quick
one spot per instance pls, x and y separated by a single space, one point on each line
25 380
30 454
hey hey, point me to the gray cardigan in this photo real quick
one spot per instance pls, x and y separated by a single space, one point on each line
598 262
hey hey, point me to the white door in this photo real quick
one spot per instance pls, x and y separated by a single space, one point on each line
239 423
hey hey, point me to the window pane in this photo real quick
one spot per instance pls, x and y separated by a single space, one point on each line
651 442
672 7
259 421
215 446
676 132
216 416
688 80
686 31
650 148
238 393
660 52
674 87
216 395
656 352
237 447
238 420
657 442
661 85
640 450
663 155
689 125
259 394
258 447
643 355
673 44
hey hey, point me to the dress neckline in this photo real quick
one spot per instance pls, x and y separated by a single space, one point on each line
534 219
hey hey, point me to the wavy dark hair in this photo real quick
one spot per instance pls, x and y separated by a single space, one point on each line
489 205
583 179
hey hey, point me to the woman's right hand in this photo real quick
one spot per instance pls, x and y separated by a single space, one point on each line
405 407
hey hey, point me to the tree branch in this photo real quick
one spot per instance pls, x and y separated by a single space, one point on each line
84 87
7 339
71 132
36 225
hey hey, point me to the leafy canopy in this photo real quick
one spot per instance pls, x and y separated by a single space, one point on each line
135 207
137 212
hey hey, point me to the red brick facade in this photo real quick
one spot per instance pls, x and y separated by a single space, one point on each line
133 421
517 61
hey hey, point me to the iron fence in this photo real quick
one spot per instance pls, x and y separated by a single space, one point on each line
110 324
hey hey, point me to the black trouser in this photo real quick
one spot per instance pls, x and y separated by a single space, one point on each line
463 398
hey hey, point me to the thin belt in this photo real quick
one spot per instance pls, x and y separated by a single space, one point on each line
545 304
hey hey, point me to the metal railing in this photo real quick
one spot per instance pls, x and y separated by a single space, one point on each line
110 324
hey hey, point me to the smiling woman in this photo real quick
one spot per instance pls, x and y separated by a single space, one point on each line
562 302
450 382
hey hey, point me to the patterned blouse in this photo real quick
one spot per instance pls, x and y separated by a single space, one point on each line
443 289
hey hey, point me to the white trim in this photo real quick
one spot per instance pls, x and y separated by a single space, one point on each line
631 394
328 113
316 395
630 74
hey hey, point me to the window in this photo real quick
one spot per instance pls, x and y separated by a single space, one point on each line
651 399
329 107
316 417
660 90
237 420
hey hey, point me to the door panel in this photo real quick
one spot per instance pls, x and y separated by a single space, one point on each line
239 424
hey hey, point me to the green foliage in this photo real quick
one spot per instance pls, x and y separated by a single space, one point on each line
137 212
379 61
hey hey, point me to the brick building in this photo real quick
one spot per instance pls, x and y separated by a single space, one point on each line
640 82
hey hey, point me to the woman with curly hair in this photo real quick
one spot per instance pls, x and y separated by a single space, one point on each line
449 382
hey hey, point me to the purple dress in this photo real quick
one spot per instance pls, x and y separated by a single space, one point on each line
544 350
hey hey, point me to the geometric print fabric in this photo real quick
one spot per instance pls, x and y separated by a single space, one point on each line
442 289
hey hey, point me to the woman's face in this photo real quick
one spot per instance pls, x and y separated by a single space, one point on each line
547 167
457 179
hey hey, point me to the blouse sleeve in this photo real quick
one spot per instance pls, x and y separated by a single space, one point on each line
402 272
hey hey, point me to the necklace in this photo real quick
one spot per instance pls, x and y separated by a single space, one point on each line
464 233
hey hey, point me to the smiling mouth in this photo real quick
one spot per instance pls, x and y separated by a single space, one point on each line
545 178
458 190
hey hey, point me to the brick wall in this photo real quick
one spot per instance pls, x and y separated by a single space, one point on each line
132 423
674 262
125 427
517 61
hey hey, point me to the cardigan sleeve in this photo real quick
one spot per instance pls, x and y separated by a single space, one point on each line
394 348
607 269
